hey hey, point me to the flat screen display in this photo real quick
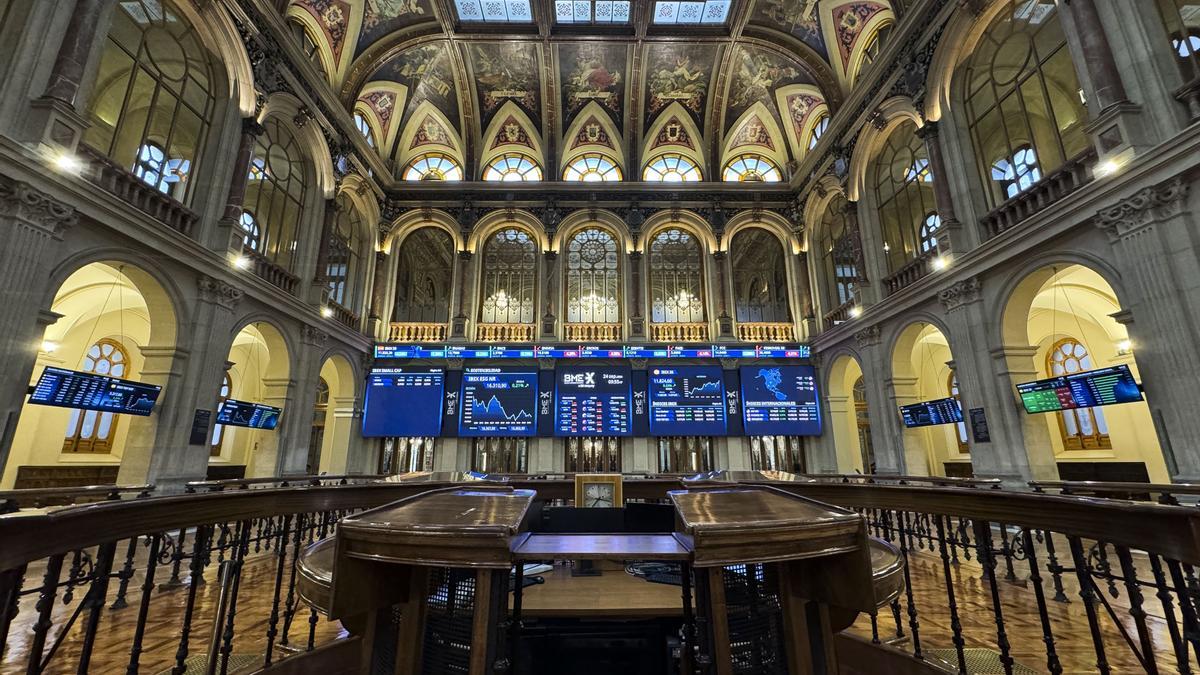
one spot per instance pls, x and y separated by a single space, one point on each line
1106 386
247 414
403 402
687 401
498 402
780 401
89 391
592 401
930 413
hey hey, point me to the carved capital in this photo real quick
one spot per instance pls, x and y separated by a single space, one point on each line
311 335
961 293
869 336
217 291
1143 209
29 205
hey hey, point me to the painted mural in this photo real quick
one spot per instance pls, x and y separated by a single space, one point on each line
591 133
384 106
430 133
506 72
427 71
756 73
333 16
381 17
753 132
849 21
678 73
592 72
798 17
511 133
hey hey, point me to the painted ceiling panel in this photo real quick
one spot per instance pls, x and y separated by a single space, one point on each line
593 71
756 73
800 18
506 71
381 17
679 73
428 72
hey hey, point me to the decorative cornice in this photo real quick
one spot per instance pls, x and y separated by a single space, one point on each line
32 206
217 291
961 293
1148 206
869 336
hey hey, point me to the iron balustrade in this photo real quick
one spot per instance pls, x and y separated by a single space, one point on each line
1103 585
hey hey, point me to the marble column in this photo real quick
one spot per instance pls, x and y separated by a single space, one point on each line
1158 256
462 279
1009 455
551 300
886 431
637 321
1012 365
33 223
320 277
834 454
231 217
724 296
300 395
377 314
951 237
58 119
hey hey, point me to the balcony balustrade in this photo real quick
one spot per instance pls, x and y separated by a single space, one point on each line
766 332
505 332
678 332
593 332
124 185
409 331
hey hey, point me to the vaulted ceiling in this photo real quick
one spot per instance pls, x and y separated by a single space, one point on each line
554 79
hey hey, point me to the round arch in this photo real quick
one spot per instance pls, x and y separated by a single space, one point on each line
688 220
578 220
287 108
1022 286
273 338
896 111
500 219
961 37
412 221
766 220
826 190
849 433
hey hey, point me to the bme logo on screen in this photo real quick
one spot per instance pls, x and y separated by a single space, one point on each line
587 379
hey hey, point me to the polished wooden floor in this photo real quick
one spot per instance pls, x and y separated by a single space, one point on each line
1073 641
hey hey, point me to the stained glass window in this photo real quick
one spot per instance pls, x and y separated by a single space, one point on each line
751 168
676 277
592 168
671 168
512 167
93 430
510 261
433 166
593 277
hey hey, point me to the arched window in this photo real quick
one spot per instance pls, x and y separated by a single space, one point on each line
425 276
929 233
862 420
92 430
433 166
592 167
875 45
275 194
1018 173
364 128
818 130
961 427
676 277
1020 91
344 269
751 168
154 99
1082 428
1182 22
839 255
510 260
308 45
593 277
218 432
512 167
760 291
904 195
671 168
252 236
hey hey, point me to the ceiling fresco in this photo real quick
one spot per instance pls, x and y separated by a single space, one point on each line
794 58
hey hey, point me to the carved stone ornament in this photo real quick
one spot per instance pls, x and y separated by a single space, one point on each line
869 336
961 293
1148 206
32 206
313 336
215 290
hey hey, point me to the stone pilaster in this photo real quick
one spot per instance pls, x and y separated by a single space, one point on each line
463 279
951 237
1153 237
724 298
300 395
231 217
637 320
886 431
33 224
378 314
552 299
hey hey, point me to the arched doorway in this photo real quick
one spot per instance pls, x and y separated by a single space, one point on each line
333 424
849 421
116 320
258 368
1063 320
922 367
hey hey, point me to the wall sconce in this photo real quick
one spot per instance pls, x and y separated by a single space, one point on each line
1124 347
49 346
855 312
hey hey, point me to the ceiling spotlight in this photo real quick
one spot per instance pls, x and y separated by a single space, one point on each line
855 312
49 346
327 312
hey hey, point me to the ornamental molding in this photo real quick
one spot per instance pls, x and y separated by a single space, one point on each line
217 291
1148 206
962 293
33 207
312 335
869 336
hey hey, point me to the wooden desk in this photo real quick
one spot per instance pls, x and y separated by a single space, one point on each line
614 594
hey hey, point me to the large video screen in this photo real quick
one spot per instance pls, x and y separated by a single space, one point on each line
930 413
498 402
687 401
403 402
89 391
237 413
780 401
1106 386
592 401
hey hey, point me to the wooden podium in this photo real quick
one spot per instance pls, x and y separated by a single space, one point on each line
424 583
